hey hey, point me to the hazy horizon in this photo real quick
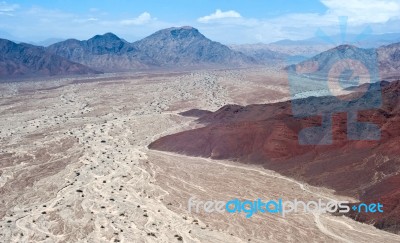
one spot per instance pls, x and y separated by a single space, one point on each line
228 22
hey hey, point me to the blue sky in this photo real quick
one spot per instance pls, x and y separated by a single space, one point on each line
227 21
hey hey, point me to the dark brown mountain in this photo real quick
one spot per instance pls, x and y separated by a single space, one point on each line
173 48
186 46
105 52
262 53
385 58
267 134
18 60
389 60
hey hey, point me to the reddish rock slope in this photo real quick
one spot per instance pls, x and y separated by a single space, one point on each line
268 135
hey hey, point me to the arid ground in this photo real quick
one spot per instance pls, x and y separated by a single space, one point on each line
74 164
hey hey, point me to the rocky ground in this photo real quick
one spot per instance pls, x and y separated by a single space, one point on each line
74 164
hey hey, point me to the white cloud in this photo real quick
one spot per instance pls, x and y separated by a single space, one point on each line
364 11
142 19
360 13
219 15
7 9
86 20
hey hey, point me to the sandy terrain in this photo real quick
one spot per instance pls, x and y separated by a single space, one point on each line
74 165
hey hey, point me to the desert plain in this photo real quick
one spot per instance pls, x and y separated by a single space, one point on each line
75 166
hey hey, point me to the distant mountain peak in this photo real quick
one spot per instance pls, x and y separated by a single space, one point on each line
346 47
179 32
186 46
107 36
111 35
182 28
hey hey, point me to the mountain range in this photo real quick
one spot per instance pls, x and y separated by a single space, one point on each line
363 40
262 53
183 47
20 59
172 48
385 58
307 48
